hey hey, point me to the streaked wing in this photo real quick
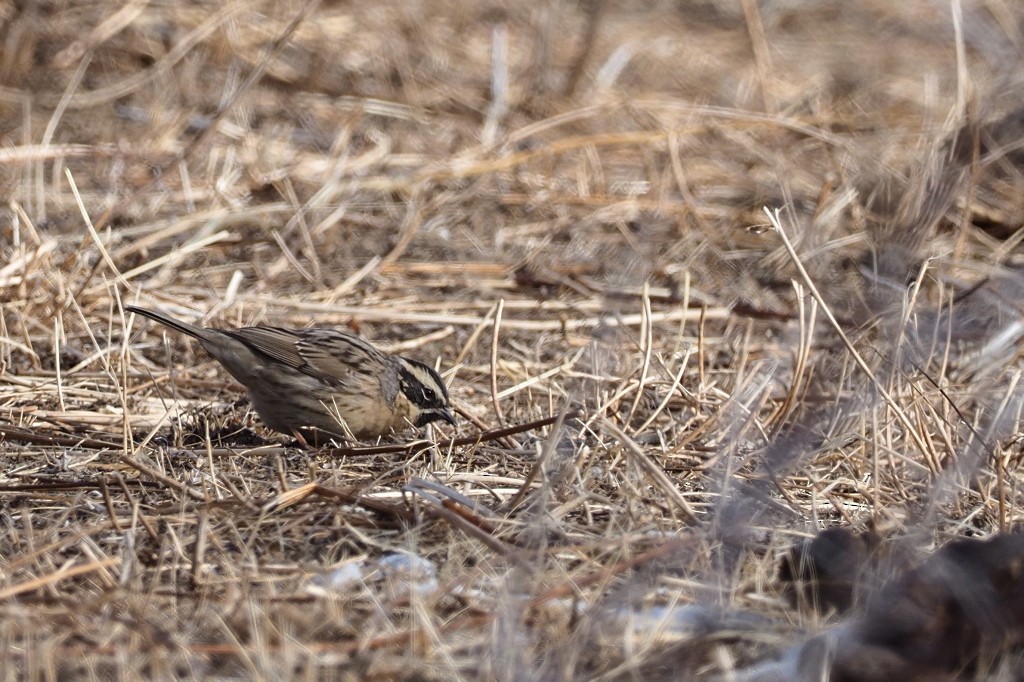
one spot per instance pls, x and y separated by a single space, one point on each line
324 354
333 355
279 344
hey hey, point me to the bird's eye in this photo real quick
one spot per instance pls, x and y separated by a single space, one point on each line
428 395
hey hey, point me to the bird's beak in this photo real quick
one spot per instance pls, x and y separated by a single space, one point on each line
434 415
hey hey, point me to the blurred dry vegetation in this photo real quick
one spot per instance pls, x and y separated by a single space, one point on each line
561 204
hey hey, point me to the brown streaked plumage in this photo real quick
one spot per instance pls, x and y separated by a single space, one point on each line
322 379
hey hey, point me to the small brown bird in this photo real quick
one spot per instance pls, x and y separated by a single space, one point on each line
322 379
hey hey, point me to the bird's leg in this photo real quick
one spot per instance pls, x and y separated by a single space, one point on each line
302 441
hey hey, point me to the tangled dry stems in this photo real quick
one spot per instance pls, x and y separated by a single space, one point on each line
560 204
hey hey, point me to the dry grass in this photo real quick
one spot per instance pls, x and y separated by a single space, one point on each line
561 204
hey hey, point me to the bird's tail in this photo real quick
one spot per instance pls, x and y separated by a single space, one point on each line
177 325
